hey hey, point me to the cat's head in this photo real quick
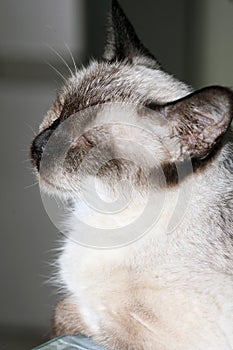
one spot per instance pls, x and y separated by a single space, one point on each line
129 97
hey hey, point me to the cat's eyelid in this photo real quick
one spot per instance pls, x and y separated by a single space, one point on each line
152 105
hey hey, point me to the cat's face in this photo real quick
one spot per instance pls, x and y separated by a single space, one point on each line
125 118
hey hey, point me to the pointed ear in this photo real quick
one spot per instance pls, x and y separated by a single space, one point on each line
200 120
122 41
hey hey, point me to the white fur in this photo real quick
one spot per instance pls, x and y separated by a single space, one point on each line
174 274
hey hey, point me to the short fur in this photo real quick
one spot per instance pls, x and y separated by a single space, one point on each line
163 291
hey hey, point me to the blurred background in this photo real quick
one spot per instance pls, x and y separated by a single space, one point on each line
192 39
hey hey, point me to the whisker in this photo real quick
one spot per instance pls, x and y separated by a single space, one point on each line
62 58
30 170
30 127
72 57
32 185
26 161
56 70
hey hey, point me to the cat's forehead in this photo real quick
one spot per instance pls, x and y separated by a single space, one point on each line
122 81
108 82
102 82
98 83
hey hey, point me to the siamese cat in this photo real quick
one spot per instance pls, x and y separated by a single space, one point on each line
162 291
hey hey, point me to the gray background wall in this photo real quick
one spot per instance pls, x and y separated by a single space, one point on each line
193 40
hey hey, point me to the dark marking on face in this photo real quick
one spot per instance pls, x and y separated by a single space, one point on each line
171 174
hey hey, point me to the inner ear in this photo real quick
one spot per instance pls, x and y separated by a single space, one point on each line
122 40
200 120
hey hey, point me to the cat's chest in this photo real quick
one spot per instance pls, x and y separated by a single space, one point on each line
110 289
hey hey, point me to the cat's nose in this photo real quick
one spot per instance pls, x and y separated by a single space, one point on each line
38 146
40 142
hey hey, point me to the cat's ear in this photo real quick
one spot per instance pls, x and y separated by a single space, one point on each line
123 42
200 120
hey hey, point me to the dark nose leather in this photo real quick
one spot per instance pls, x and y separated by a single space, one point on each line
40 142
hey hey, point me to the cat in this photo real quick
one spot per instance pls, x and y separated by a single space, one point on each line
162 291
